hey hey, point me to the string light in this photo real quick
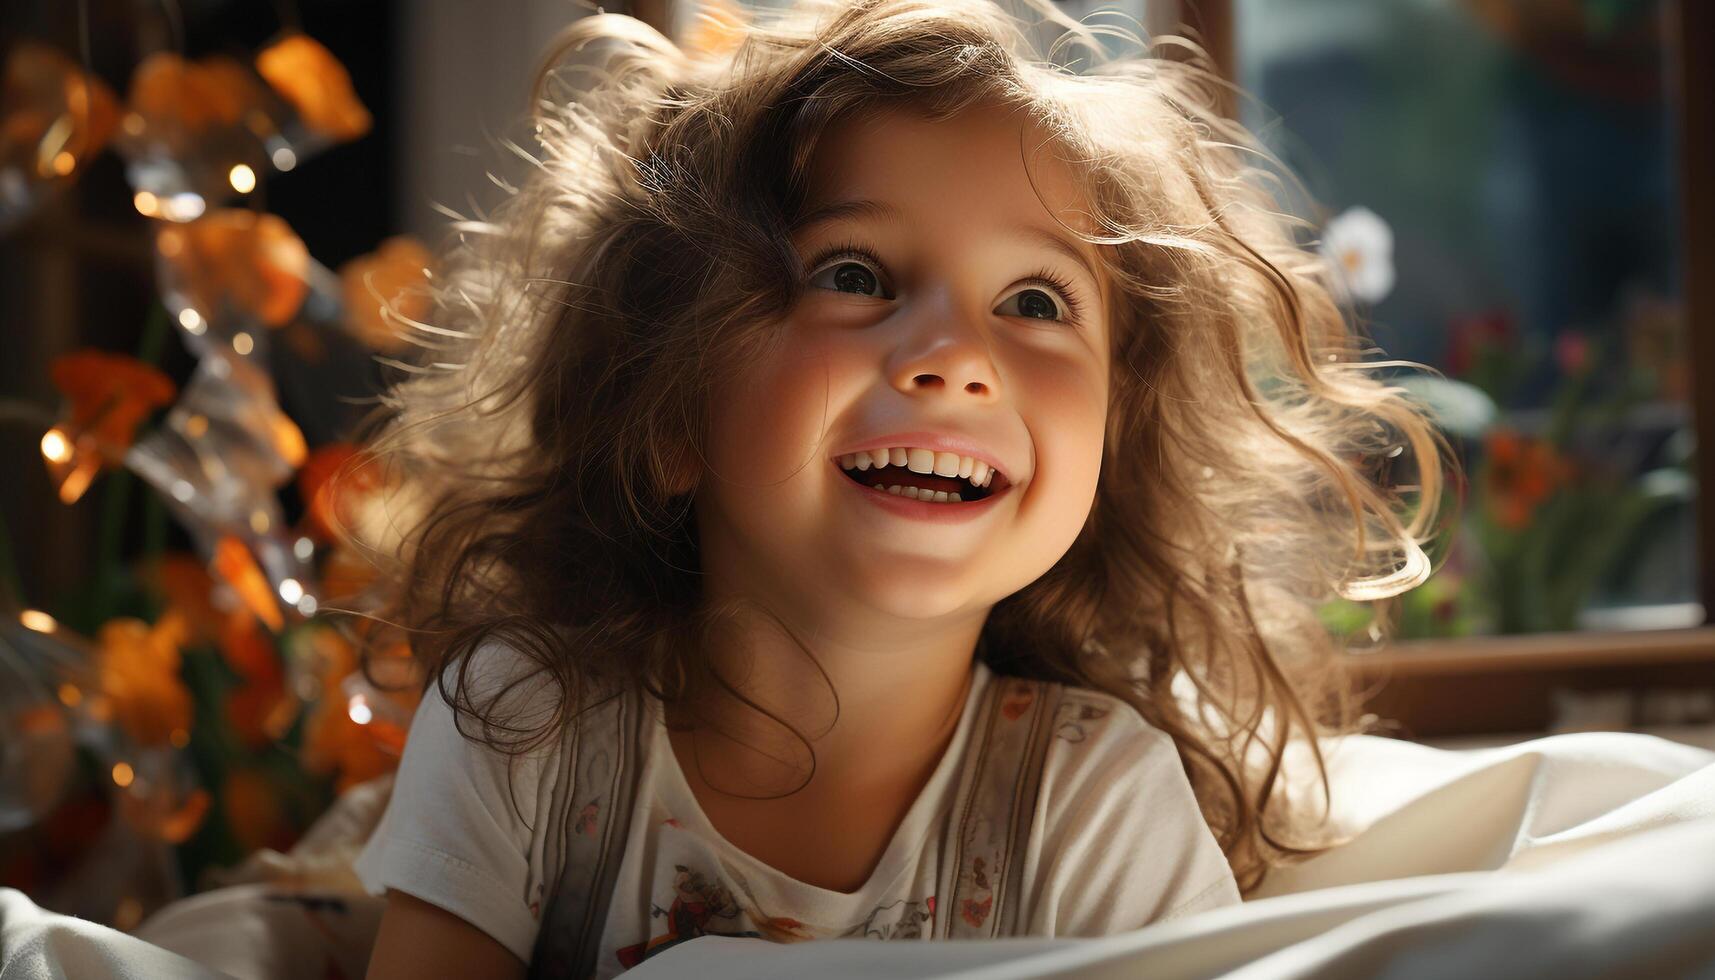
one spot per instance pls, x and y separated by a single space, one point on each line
359 710
184 206
191 320
242 178
242 343
122 774
77 481
146 203
284 159
291 591
55 447
35 619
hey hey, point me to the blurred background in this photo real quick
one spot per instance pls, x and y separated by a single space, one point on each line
212 212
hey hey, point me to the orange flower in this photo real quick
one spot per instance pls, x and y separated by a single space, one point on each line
138 667
233 261
54 117
336 744
394 274
260 710
316 84
109 395
333 479
236 566
172 95
1522 472
357 736
238 93
183 582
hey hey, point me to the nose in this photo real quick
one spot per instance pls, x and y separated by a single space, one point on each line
945 351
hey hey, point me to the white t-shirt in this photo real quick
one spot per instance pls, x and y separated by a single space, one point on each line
1117 842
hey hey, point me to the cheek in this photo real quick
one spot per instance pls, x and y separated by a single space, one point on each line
1068 422
765 424
1069 406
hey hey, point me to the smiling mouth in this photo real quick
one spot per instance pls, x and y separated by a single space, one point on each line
921 486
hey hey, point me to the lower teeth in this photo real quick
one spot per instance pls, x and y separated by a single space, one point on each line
914 493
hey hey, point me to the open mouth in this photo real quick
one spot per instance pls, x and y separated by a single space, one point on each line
899 479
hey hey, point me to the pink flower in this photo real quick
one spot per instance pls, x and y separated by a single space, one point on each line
1572 352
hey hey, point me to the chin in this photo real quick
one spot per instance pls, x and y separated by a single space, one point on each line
928 594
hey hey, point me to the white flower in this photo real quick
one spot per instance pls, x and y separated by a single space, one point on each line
1358 246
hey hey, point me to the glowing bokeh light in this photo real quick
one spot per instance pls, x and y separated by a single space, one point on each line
55 447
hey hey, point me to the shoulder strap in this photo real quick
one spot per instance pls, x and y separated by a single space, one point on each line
981 884
588 823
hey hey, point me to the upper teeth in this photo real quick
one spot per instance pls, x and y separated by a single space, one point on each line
922 461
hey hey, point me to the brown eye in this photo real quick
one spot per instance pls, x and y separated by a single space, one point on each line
854 278
1032 304
849 275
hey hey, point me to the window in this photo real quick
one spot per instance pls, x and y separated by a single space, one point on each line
1504 181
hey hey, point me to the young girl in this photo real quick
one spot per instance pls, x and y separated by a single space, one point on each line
875 406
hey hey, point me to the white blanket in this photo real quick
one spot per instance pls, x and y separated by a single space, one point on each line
1588 855
1635 908
1585 855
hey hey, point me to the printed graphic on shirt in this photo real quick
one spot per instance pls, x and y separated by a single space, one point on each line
781 928
1017 700
586 820
976 908
1072 720
699 907
903 919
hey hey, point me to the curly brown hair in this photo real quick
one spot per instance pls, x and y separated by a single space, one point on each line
547 448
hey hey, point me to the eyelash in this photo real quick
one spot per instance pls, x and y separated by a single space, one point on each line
1042 277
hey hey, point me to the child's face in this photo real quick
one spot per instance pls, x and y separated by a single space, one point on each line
949 329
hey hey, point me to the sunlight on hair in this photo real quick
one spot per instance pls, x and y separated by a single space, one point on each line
1408 576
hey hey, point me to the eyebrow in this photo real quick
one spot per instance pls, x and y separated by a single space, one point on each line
881 211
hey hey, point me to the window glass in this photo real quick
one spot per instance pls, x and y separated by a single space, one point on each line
1500 181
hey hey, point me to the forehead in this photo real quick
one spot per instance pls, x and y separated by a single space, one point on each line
985 162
